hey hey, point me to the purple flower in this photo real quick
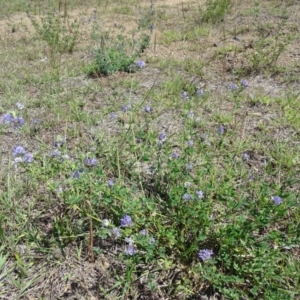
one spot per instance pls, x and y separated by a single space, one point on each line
116 233
59 142
129 250
113 115
90 161
55 153
151 27
141 64
233 86
7 118
18 150
277 200
125 107
28 158
246 156
187 197
76 174
126 221
110 183
200 92
205 254
175 155
18 122
162 137
144 232
148 109
244 83
184 95
200 194
221 129
190 143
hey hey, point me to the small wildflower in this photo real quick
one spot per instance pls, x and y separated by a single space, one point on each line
251 96
148 109
105 222
141 64
184 95
244 83
200 194
35 121
175 155
277 200
233 86
205 254
28 158
76 174
162 137
116 233
126 221
187 184
90 161
55 153
151 26
7 118
144 232
125 107
59 142
18 150
59 190
113 115
200 92
221 129
20 105
129 250
110 183
18 122
187 197
190 143
129 240
246 156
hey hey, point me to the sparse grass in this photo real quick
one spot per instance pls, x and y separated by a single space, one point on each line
177 181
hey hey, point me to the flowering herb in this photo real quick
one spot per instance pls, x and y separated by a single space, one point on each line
141 64
116 233
205 254
129 250
184 95
277 200
110 183
200 194
187 197
233 86
90 161
18 150
200 92
126 221
244 83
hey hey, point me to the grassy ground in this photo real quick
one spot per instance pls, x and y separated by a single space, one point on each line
149 150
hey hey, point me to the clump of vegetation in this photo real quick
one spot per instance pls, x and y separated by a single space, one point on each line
119 55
